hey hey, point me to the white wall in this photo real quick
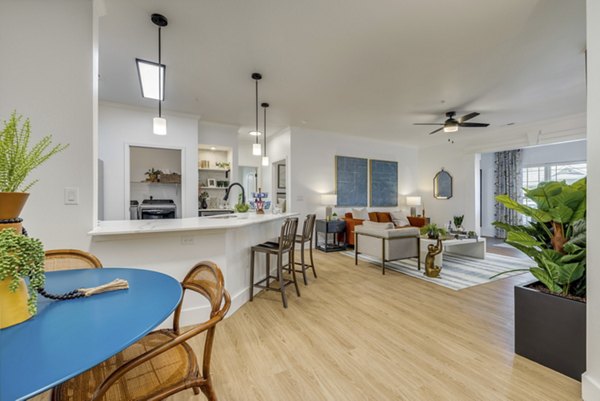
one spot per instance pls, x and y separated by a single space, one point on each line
312 165
121 126
47 75
464 169
591 379
536 155
278 149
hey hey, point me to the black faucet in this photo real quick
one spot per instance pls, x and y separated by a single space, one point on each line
229 189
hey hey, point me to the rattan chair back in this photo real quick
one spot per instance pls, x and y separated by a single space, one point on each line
69 259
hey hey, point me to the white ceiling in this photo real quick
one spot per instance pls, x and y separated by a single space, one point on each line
368 68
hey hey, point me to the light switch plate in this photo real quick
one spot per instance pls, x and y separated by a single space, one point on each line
71 196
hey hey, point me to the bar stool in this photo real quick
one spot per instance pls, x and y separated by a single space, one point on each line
285 245
307 235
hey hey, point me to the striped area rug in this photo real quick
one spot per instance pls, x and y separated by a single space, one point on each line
458 272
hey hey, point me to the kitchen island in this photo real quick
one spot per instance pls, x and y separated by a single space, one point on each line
173 246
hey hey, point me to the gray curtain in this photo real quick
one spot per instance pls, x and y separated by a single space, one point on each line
508 181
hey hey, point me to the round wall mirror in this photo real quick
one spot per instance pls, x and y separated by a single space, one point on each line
442 185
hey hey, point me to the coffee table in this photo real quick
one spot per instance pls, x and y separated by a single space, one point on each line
473 247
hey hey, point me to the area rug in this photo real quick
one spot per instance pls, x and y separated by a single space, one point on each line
458 272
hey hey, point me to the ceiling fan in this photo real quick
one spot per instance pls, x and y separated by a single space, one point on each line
452 124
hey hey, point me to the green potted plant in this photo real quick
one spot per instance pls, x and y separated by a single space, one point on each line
550 312
241 207
20 257
433 231
458 220
17 160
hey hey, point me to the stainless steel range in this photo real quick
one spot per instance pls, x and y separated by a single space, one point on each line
157 209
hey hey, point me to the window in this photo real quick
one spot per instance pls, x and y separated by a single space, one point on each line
568 172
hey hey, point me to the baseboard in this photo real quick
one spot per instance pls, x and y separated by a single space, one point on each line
590 388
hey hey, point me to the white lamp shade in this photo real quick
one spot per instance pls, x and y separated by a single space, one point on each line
413 200
160 126
265 160
451 128
256 149
329 199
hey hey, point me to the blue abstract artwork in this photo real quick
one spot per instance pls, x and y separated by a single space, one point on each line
384 183
351 181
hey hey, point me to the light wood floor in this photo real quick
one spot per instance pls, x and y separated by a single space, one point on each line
357 335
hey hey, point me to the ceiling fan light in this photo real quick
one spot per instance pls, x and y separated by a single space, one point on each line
451 128
256 149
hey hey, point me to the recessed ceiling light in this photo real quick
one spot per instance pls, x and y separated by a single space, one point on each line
213 148
255 133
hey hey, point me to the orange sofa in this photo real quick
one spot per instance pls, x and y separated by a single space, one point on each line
380 217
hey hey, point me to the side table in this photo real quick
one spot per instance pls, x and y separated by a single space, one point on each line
334 227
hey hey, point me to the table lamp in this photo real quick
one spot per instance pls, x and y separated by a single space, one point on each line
329 201
413 202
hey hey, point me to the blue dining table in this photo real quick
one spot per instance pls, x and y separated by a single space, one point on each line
66 338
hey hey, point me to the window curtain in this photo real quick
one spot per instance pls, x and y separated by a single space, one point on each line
508 181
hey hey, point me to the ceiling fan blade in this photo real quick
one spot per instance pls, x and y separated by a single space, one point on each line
467 117
428 124
437 130
473 125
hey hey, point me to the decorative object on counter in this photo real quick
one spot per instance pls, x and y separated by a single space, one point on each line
431 270
334 216
413 202
259 202
241 206
265 158
433 231
471 234
173 178
203 200
223 165
21 257
458 220
442 185
17 160
256 148
204 164
211 183
149 71
153 175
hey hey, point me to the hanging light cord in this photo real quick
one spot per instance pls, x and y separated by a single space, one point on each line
256 111
265 130
159 73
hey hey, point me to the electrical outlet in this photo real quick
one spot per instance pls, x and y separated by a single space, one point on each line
71 196
187 240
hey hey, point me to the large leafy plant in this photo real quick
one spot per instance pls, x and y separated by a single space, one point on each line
555 237
22 257
17 157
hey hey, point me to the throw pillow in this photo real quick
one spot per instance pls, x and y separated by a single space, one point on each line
384 217
380 226
360 214
399 219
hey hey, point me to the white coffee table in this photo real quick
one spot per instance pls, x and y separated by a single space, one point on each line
473 247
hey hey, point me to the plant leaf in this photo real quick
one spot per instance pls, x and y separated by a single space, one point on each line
545 279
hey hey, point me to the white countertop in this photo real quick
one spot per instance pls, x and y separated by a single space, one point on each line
119 227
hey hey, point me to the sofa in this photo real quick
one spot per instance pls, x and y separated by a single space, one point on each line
378 217
386 243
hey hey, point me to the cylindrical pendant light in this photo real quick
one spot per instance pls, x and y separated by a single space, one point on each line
256 148
265 158
159 123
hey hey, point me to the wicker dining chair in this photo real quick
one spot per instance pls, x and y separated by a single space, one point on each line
162 363
68 259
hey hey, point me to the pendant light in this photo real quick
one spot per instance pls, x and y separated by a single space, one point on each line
256 148
265 158
160 123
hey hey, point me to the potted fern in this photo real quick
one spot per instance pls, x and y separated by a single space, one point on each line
20 257
550 321
17 160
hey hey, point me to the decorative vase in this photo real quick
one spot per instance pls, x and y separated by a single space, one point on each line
204 204
432 235
13 305
11 204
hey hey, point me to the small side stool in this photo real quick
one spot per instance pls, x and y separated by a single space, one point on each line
284 246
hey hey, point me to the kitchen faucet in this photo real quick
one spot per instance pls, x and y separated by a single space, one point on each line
229 189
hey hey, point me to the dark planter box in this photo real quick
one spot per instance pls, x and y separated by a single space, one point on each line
550 330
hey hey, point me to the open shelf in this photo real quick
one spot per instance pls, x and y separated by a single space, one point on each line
223 188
